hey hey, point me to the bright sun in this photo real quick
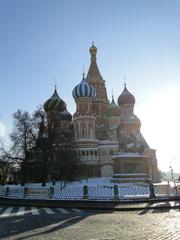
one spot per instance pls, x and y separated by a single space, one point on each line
160 117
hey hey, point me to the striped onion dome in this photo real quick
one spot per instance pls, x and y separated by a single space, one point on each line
54 103
84 89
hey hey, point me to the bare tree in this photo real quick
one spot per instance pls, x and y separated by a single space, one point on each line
23 138
41 149
5 164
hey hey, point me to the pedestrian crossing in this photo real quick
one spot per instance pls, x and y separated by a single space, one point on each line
63 210
48 211
21 211
13 211
7 212
35 211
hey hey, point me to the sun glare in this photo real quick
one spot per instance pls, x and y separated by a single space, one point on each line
160 117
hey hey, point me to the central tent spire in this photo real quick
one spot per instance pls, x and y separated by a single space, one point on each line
93 69
94 78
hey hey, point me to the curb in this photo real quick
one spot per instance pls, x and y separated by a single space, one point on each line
130 205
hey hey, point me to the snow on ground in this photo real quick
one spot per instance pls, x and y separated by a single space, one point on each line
90 182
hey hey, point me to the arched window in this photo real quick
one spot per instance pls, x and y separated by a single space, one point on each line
83 133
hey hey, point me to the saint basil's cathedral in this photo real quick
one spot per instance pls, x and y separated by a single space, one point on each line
106 135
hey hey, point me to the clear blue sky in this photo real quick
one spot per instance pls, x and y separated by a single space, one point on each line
45 41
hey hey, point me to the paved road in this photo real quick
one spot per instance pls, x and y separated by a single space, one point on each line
75 224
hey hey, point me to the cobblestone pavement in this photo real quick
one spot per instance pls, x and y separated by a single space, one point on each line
146 224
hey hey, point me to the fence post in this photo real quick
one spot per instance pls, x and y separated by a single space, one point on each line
25 191
85 192
151 190
7 191
116 194
51 192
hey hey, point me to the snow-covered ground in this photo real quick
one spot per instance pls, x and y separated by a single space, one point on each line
90 182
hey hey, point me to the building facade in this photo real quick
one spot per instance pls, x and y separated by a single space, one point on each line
106 134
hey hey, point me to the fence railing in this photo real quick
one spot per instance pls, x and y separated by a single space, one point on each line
3 191
15 192
133 192
100 192
90 192
68 193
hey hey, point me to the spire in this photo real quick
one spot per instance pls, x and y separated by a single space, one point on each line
124 81
112 101
83 73
95 79
93 69
113 104
55 94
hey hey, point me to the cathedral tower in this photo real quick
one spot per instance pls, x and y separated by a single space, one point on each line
129 121
84 121
84 118
56 111
59 121
94 77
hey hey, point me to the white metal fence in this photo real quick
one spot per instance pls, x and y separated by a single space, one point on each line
92 192
68 193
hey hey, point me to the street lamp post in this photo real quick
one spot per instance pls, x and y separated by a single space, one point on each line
172 173
171 169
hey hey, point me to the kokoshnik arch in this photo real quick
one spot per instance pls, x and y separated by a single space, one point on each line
107 135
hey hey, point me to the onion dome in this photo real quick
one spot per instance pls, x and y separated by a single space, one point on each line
113 109
54 103
126 97
84 89
93 50
65 115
